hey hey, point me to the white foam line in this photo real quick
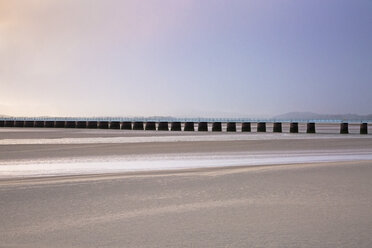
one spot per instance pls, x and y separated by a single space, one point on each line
164 162
176 138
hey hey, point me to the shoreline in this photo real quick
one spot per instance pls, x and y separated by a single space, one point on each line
201 171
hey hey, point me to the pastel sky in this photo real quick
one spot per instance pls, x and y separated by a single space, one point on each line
185 57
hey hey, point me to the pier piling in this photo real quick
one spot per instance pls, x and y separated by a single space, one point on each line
176 126
138 125
231 127
60 124
277 128
203 126
70 124
364 128
293 127
9 123
49 124
39 124
310 127
150 125
216 127
92 124
103 124
81 124
189 126
114 125
344 128
163 126
126 125
19 124
29 124
246 127
261 127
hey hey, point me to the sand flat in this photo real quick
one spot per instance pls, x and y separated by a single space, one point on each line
308 205
318 204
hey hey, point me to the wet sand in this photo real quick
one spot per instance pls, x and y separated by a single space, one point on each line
284 142
25 152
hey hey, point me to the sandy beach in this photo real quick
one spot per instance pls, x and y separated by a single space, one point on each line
216 190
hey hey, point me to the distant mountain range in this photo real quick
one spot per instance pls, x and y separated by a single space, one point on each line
287 116
315 116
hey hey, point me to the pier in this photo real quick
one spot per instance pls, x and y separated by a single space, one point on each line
186 124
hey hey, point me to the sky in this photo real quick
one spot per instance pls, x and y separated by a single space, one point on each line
206 58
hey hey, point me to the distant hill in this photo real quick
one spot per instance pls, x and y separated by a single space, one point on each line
315 116
286 116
